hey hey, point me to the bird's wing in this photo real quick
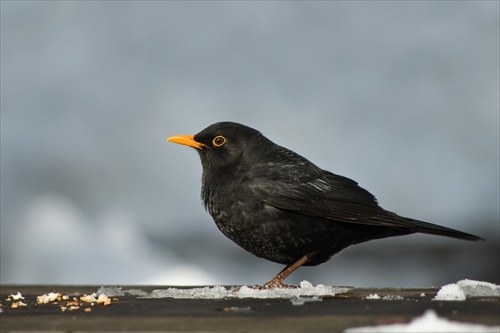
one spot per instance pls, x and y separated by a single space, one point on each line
329 196
340 199
288 181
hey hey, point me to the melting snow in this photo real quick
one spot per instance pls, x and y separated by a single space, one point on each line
393 298
466 288
219 292
385 298
118 291
428 322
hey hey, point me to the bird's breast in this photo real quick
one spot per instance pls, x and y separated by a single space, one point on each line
235 208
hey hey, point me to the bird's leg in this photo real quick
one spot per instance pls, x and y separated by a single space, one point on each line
277 281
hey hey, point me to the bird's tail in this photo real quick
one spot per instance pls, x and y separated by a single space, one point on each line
433 229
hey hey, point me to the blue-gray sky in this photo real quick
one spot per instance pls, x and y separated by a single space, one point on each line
401 96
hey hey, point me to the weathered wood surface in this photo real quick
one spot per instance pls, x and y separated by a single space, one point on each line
130 313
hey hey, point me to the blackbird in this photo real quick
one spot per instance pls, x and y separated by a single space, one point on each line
281 207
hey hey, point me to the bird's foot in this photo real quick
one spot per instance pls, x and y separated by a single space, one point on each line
267 286
273 285
277 285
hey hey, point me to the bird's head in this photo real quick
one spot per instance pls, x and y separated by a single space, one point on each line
222 144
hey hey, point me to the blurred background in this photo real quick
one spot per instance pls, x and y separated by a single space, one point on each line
402 97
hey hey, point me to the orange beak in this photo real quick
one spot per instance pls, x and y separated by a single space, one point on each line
186 140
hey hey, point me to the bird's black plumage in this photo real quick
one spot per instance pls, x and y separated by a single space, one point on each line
281 207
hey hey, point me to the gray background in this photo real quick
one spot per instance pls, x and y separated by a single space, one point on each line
401 96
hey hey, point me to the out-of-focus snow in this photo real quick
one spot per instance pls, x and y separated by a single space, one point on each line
393 298
119 251
219 292
385 298
373 296
463 289
428 322
301 300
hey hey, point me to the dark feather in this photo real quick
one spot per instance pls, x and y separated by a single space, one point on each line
309 190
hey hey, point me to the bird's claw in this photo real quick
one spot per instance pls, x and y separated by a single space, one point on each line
278 285
273 285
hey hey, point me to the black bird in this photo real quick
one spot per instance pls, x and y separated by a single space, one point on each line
281 207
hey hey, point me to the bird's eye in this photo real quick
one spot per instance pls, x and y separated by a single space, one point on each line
219 140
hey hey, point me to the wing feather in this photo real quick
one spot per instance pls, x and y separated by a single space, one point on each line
302 187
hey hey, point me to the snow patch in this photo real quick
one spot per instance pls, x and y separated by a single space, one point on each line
428 322
218 292
463 289
118 291
393 298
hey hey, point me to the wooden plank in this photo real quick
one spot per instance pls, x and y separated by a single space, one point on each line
128 313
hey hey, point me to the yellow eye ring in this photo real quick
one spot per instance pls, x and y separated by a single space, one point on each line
218 141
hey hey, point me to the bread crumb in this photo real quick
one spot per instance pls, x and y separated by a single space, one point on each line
17 296
103 300
15 305
88 298
48 298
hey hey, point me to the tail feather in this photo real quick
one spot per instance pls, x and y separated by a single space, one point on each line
433 229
